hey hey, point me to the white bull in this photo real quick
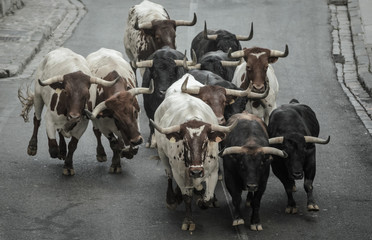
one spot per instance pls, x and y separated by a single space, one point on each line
116 106
187 140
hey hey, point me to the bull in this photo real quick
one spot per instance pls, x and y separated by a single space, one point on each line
187 141
150 28
116 108
257 70
246 162
164 66
294 128
63 81
211 40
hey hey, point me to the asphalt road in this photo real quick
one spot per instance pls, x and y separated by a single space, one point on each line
37 202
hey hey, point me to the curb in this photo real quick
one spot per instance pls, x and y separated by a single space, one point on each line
360 51
22 38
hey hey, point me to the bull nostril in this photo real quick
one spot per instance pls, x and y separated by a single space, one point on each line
258 88
221 121
252 187
196 173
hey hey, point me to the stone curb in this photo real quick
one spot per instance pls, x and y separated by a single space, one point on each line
23 34
361 54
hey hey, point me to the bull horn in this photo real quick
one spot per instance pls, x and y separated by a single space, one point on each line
245 38
236 54
146 25
311 139
253 95
51 80
276 140
233 150
181 63
103 82
208 36
231 63
136 91
274 151
99 108
144 64
276 53
172 129
224 129
186 23
184 88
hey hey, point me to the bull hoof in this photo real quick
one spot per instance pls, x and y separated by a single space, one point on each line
291 210
101 158
115 170
220 176
31 150
248 204
294 189
312 207
256 227
239 221
68 171
172 206
188 225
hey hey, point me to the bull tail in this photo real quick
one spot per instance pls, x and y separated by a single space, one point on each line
27 100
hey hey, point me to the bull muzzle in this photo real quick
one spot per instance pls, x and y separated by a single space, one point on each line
297 175
252 187
196 171
137 141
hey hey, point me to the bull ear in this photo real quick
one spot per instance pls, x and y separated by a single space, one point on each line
273 59
174 137
230 99
216 136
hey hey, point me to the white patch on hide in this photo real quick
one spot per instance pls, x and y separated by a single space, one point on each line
195 131
258 54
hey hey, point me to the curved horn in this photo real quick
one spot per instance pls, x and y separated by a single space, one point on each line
231 63
167 130
311 139
233 150
51 80
208 36
245 38
184 88
236 54
149 90
224 129
144 64
276 140
253 95
276 53
274 151
181 63
103 82
186 23
146 25
99 108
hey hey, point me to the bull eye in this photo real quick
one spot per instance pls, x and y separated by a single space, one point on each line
249 68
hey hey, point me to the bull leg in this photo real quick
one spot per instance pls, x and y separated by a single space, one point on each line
235 192
32 145
171 199
68 169
101 154
53 148
188 223
281 172
256 203
62 147
151 142
116 148
309 170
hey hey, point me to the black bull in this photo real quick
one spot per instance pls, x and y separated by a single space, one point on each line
294 128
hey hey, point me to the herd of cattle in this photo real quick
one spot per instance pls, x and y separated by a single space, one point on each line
222 103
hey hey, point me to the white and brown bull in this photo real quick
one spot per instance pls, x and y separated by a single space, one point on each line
187 140
216 97
63 81
116 108
257 70
149 28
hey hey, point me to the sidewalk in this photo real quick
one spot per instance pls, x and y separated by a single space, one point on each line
360 14
23 33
